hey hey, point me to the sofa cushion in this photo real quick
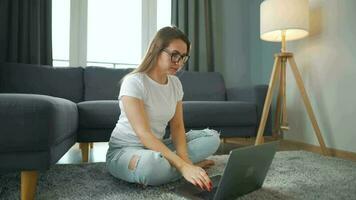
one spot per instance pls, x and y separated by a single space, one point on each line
103 83
219 113
202 86
98 114
31 122
104 114
95 135
64 82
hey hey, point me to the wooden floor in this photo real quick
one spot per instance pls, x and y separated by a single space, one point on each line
97 154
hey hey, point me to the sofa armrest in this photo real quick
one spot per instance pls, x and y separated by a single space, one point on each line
30 122
255 94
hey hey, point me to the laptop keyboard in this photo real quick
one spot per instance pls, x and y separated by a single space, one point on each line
206 194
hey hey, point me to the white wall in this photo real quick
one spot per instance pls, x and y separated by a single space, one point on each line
327 62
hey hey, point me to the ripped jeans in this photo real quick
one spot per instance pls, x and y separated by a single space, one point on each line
151 168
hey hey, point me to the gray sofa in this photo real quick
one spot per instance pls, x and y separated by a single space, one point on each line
45 110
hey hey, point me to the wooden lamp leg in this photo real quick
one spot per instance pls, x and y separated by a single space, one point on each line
307 104
277 116
267 104
284 124
28 184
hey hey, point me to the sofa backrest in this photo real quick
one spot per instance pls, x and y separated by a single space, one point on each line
97 83
202 86
63 82
103 83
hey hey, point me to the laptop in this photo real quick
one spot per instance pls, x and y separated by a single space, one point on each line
245 171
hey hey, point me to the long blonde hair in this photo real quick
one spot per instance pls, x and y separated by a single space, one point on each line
161 40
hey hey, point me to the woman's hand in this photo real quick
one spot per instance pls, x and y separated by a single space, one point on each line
205 164
196 175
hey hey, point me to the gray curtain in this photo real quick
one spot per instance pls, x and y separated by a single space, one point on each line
26 31
193 17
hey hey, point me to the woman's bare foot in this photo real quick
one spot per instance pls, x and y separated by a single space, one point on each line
205 164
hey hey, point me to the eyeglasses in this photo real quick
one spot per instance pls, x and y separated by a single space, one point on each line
176 57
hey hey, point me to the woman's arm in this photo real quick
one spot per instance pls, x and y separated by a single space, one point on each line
135 111
178 133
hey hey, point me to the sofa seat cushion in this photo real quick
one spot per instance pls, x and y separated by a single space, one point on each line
34 123
98 114
104 114
219 113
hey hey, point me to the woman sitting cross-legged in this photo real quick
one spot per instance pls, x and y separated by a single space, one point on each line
150 98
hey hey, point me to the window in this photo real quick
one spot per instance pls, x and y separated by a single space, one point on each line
163 13
114 31
60 32
116 34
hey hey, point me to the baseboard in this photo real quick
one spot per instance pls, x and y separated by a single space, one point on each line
295 145
316 149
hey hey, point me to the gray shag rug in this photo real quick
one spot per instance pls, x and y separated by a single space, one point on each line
293 175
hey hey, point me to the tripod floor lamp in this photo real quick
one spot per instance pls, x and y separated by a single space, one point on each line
281 21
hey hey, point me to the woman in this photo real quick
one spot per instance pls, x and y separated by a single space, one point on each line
150 98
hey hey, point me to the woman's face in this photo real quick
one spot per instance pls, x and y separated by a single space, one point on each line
173 57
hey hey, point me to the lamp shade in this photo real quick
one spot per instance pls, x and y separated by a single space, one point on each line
288 16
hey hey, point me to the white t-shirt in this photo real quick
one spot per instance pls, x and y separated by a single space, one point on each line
160 101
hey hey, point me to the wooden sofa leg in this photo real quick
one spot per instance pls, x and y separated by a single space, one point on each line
28 184
84 147
223 140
